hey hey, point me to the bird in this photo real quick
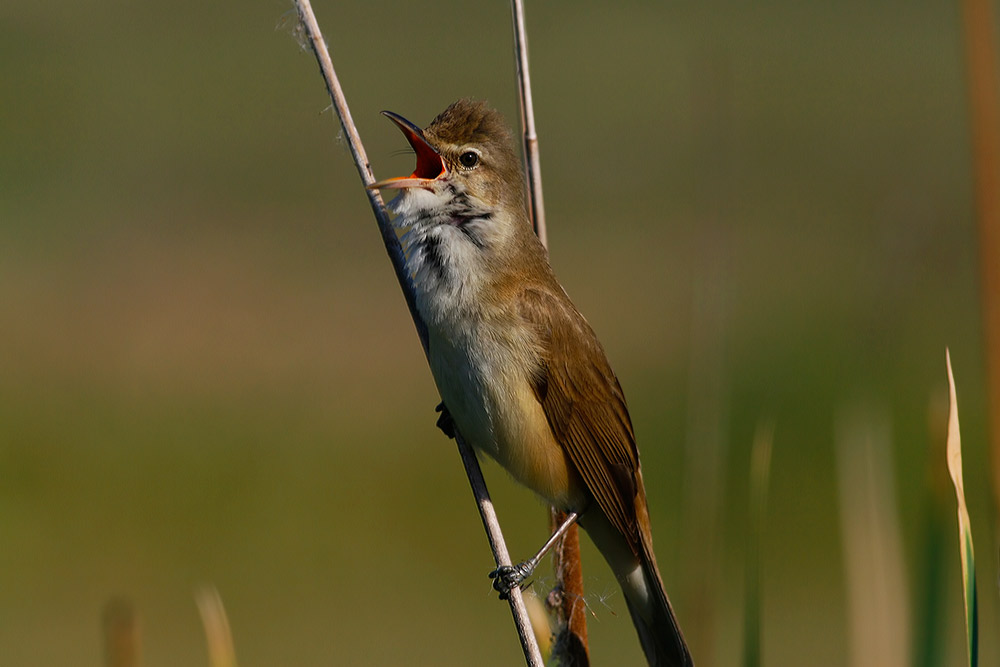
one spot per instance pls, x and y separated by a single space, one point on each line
521 373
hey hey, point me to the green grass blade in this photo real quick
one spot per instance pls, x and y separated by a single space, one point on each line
936 543
964 526
760 473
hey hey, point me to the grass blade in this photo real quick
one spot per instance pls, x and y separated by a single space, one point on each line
874 565
930 629
964 526
760 473
221 652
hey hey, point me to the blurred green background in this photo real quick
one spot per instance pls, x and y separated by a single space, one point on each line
208 375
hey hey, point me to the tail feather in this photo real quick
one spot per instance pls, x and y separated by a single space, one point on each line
654 619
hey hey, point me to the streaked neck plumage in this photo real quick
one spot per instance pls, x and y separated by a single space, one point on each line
467 237
460 249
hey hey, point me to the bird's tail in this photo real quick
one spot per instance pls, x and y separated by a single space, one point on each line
653 617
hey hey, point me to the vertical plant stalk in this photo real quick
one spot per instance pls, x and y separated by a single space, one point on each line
984 107
221 652
566 598
878 608
570 646
930 628
964 525
532 166
122 642
529 645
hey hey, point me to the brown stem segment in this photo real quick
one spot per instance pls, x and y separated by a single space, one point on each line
570 647
984 108
566 599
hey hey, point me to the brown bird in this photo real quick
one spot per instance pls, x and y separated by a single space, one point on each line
521 374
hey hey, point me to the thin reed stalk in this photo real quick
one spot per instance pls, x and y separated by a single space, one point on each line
488 515
570 646
984 111
122 640
532 165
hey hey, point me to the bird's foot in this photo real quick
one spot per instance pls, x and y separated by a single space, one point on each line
508 577
445 422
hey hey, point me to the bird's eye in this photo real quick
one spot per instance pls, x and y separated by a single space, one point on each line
469 159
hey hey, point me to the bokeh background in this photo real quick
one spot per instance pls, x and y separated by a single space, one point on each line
208 375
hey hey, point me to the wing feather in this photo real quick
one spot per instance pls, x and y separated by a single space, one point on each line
585 407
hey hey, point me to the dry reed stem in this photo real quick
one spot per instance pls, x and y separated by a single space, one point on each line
570 647
984 108
488 515
566 598
532 165
221 651
121 634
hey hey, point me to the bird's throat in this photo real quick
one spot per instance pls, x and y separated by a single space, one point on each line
448 239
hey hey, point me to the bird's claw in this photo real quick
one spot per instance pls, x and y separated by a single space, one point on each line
445 422
508 577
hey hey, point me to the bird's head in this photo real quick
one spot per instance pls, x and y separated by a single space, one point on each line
465 154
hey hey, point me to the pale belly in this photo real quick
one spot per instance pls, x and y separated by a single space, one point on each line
495 409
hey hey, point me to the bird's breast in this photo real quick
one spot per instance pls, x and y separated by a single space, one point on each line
483 370
483 357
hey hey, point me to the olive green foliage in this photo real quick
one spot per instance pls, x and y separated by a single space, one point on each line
208 376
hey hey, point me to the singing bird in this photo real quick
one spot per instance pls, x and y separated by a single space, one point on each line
521 373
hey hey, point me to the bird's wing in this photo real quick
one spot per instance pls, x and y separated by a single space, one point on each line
585 407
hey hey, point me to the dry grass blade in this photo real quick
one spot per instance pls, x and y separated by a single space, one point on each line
875 567
964 526
540 623
221 652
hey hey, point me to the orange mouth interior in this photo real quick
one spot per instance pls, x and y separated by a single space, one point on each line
429 163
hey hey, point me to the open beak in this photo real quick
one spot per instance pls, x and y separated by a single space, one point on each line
430 165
